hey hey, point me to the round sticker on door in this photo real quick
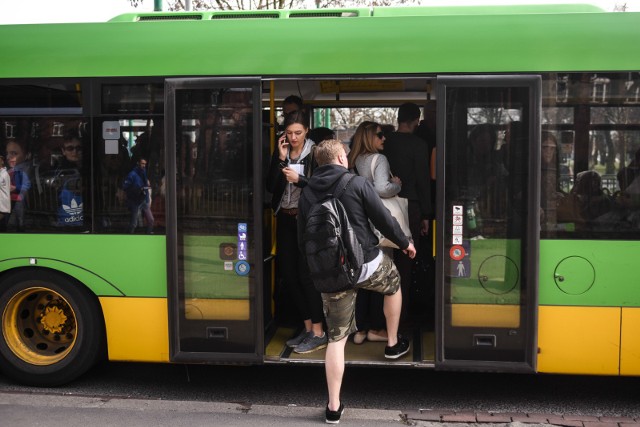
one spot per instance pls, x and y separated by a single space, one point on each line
242 268
456 252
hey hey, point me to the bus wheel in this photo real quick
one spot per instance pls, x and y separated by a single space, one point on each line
52 328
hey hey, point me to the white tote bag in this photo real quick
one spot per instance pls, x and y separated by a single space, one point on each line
399 209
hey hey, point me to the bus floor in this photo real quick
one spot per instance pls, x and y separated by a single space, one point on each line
369 353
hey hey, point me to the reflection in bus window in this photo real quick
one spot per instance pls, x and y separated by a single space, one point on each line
126 140
598 138
44 160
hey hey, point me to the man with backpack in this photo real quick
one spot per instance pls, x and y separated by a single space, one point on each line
377 272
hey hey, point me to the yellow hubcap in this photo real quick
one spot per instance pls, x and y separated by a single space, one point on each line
39 326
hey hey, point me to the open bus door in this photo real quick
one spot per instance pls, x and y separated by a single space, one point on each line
489 214
214 227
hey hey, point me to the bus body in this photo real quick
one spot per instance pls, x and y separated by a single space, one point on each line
530 274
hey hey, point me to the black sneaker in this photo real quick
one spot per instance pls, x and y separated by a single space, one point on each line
400 349
333 417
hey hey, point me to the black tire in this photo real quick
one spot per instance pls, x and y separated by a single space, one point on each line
52 328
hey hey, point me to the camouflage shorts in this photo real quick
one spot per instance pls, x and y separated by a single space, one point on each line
340 307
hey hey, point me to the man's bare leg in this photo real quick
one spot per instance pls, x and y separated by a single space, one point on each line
392 308
334 367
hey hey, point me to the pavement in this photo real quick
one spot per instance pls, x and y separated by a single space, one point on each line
457 417
40 409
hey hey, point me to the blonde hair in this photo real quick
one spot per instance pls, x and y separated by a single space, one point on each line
328 150
363 141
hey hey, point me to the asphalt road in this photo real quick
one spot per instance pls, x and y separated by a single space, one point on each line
364 388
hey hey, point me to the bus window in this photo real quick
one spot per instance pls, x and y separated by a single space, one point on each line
45 138
590 156
128 131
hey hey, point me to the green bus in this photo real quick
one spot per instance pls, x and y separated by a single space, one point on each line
536 229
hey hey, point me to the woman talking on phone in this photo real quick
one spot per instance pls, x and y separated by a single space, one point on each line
290 169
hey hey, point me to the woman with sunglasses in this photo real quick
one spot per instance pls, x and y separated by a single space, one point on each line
291 166
367 144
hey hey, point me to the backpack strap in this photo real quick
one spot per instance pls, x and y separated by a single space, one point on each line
341 191
313 198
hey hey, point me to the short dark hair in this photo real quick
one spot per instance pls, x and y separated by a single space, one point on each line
71 134
408 112
293 99
320 134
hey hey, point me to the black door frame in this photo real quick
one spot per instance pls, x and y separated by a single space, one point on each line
531 256
173 300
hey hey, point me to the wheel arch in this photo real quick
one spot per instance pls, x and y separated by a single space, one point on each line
8 277
95 283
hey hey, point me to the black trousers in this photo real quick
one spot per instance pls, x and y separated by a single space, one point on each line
404 263
294 271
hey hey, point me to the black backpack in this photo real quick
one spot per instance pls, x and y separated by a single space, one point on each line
334 254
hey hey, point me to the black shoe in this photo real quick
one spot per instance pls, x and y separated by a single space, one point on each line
400 349
333 417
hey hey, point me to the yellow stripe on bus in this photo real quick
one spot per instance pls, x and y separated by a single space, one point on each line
579 340
630 346
488 315
137 328
217 309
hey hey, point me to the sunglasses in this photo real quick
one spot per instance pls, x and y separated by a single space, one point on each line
380 135
73 148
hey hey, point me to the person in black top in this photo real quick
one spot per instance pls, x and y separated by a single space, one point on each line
289 171
378 274
408 157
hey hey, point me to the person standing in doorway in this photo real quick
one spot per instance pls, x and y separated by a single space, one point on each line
408 157
291 165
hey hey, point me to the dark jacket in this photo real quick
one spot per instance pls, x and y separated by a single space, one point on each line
408 157
362 204
136 187
276 181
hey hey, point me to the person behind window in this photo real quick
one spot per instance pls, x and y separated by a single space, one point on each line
18 158
68 180
5 195
586 201
629 173
367 145
138 191
291 165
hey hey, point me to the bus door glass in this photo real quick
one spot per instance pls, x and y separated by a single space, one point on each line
488 208
213 219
